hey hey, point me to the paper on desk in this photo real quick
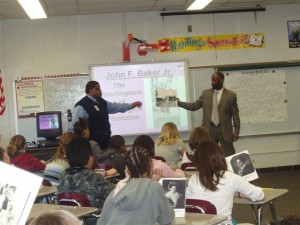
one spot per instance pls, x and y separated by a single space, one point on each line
241 164
18 190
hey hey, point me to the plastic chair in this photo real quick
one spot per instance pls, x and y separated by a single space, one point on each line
46 182
159 158
102 166
188 166
200 206
76 199
73 199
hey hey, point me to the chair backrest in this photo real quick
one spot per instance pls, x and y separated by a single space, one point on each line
73 199
188 166
200 206
102 166
159 158
46 182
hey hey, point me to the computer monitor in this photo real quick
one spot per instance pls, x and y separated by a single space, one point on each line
49 124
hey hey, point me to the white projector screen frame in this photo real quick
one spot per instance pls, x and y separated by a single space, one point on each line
156 85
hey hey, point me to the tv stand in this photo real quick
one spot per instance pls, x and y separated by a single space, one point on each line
48 143
42 153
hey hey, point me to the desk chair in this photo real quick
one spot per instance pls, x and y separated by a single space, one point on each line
46 182
102 166
200 206
75 199
188 166
159 158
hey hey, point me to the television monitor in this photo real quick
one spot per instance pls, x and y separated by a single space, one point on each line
49 124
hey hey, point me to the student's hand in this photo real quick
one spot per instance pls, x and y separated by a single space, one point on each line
136 104
43 161
156 174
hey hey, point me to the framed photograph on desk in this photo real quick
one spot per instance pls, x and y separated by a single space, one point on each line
175 192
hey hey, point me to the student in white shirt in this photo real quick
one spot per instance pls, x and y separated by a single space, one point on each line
214 183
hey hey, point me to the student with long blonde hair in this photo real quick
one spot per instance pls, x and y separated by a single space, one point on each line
169 145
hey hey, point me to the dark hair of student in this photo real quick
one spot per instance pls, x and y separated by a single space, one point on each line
117 141
292 220
80 125
146 142
210 162
138 162
78 151
90 85
198 135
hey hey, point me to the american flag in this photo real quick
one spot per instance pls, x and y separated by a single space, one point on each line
2 97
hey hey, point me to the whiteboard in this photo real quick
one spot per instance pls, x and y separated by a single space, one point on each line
286 121
61 94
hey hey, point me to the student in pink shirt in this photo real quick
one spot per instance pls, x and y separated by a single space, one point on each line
147 142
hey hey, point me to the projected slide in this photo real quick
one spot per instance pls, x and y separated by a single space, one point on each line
156 85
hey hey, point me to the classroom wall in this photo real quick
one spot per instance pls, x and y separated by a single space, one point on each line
70 44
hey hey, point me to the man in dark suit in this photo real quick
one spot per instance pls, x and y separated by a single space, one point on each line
219 124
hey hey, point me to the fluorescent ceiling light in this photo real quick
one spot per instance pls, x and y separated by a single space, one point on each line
33 8
198 4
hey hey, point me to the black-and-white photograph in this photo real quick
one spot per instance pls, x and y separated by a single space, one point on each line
6 203
175 192
241 164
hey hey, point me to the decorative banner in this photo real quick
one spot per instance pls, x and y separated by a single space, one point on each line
217 42
294 33
30 97
2 98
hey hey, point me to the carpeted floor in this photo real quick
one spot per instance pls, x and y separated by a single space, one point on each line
285 205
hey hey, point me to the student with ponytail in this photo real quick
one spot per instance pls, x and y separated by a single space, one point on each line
137 199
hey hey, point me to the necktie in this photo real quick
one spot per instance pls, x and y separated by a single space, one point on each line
215 111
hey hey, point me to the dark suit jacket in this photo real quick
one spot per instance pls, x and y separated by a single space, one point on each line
228 111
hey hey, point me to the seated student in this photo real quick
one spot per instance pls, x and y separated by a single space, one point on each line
137 199
21 159
147 142
169 145
214 183
4 157
198 135
81 129
55 217
80 177
114 156
58 163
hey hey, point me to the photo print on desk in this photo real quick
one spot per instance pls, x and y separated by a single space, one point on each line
175 192
18 189
241 164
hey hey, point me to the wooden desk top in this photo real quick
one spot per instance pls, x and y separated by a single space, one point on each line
269 196
47 190
38 209
199 219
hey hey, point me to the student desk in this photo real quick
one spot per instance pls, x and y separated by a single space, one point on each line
47 192
270 195
38 209
199 219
